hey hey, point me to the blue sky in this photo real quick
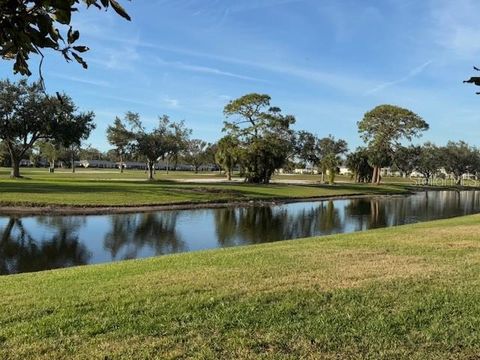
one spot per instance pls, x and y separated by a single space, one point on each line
325 61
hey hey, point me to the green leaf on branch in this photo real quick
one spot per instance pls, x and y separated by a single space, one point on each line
80 60
28 26
72 35
81 49
119 10
63 16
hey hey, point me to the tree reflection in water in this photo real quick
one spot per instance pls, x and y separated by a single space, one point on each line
255 225
366 214
129 234
38 243
20 251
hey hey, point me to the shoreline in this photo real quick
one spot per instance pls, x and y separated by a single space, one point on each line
60 210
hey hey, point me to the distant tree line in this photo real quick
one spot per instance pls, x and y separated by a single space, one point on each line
258 140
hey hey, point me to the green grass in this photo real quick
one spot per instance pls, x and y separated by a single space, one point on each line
110 188
107 174
409 292
339 178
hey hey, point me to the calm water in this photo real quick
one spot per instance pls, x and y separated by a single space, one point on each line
46 242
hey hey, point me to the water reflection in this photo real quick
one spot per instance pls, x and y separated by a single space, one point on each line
39 243
21 252
129 234
265 224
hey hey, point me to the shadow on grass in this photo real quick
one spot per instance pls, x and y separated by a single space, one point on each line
170 189
141 188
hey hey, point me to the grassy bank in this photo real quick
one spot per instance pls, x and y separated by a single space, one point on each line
109 188
401 293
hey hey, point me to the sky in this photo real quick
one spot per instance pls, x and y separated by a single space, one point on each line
326 62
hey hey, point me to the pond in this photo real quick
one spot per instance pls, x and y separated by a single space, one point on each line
34 243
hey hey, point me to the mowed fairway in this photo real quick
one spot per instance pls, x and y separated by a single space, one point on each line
409 292
110 188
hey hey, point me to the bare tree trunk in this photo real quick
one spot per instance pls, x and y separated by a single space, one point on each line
15 173
121 164
150 166
51 169
229 174
374 175
378 176
73 162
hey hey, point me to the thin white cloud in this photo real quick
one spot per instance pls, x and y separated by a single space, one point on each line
340 81
241 6
414 72
205 70
343 81
173 103
161 102
127 100
121 58
101 83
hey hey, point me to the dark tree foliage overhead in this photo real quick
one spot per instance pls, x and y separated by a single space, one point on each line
30 26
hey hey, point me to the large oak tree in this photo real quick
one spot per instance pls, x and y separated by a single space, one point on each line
383 129
195 153
263 133
120 136
28 115
165 140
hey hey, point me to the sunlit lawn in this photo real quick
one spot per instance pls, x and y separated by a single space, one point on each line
409 292
110 188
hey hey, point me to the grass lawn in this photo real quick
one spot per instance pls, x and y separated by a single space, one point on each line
409 292
110 188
